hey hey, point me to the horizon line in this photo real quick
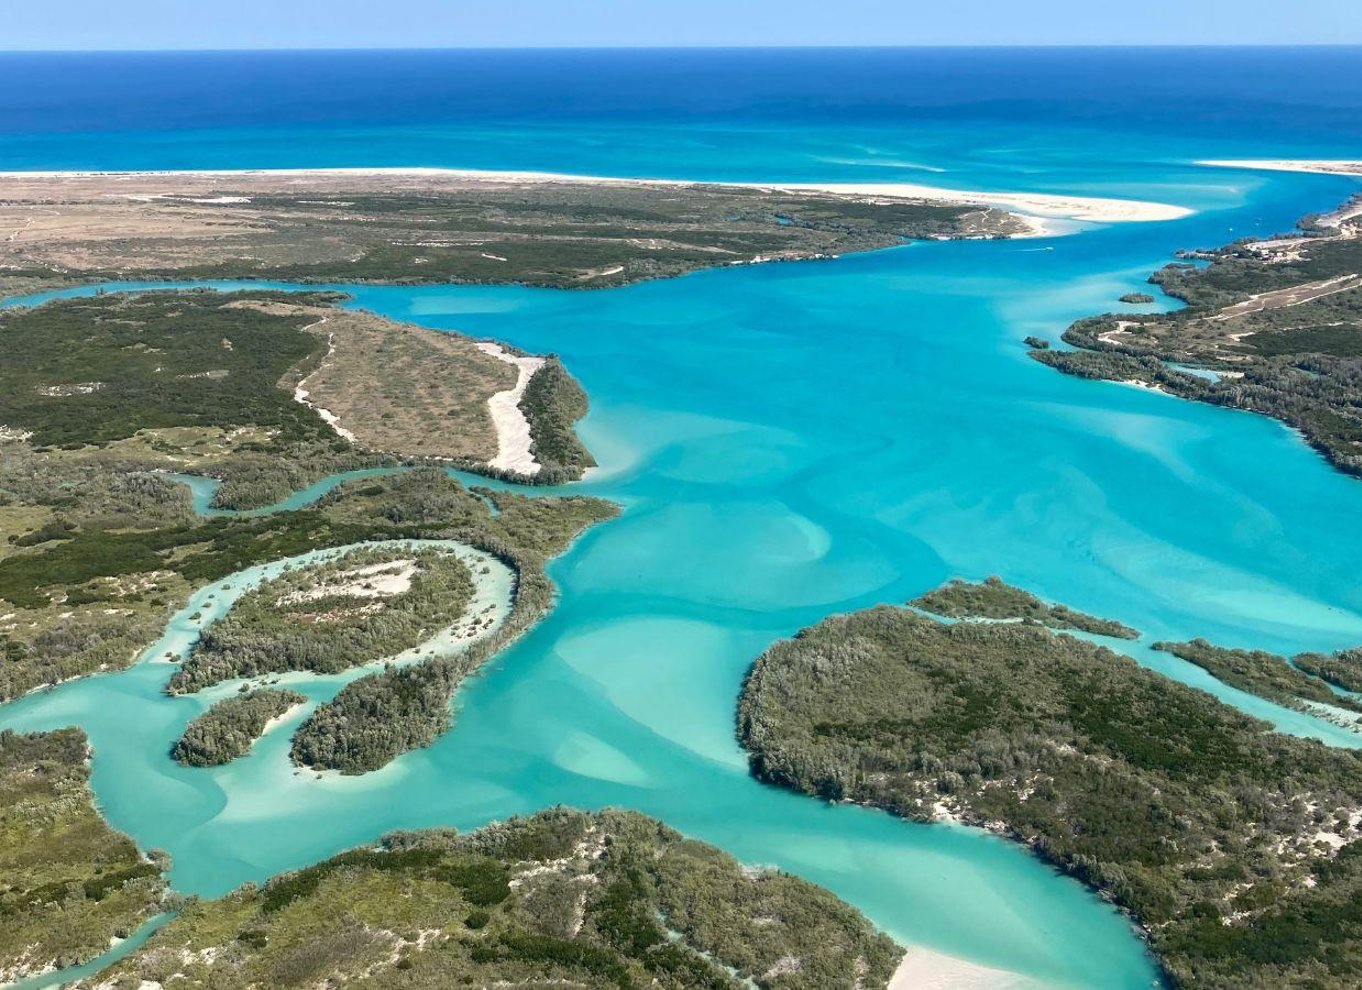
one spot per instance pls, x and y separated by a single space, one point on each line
964 46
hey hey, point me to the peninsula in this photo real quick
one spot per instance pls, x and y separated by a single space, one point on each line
606 899
444 226
434 226
564 898
1275 324
994 600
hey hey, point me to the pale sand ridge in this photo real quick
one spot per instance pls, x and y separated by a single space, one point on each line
1319 165
513 429
300 393
1091 208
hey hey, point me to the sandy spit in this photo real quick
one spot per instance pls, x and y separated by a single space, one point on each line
1319 165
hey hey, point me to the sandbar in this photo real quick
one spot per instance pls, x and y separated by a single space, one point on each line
1321 166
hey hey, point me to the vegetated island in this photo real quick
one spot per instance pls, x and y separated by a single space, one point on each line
1265 675
1278 320
1137 298
1342 669
995 599
231 726
564 898
328 617
429 226
68 883
1234 847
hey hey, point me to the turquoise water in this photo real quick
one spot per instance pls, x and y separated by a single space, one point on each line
202 490
794 440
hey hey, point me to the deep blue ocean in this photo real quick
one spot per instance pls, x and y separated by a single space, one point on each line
787 441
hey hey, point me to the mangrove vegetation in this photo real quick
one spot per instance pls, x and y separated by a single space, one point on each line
68 882
230 728
564 898
1234 847
995 599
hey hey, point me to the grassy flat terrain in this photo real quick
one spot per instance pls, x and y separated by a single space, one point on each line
1279 319
430 399
1236 848
560 899
994 599
68 882
247 387
437 229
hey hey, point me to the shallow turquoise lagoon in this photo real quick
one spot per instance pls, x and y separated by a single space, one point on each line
790 441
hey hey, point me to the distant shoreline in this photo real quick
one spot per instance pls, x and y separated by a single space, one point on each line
1319 166
1037 205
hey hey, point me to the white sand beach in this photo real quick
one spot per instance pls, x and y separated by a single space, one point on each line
1318 165
923 969
1049 205
1092 208
513 430
284 716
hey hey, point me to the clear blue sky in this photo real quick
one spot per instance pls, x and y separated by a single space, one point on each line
110 24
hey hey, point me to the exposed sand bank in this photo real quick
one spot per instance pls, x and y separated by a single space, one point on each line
1318 165
280 719
923 969
1049 205
513 430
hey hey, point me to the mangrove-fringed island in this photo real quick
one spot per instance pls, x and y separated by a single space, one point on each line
1234 847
